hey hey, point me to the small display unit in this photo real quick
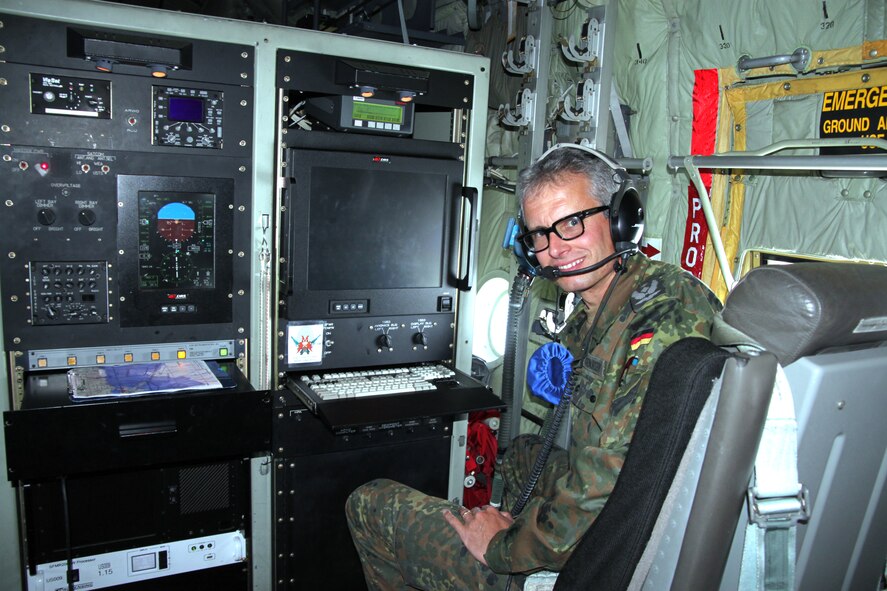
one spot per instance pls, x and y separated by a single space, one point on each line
188 117
367 115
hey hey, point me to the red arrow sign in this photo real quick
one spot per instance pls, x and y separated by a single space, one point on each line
650 251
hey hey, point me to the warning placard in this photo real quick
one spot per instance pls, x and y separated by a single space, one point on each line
854 112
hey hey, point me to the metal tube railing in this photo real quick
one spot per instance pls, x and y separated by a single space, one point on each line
763 159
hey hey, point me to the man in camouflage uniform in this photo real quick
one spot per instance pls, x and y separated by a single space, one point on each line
409 540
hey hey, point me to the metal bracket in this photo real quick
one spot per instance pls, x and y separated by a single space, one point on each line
584 111
522 116
525 62
778 512
587 49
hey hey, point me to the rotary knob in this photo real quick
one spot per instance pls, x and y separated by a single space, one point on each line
46 216
384 341
420 338
86 217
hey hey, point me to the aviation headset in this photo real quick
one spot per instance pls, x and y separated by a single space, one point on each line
626 217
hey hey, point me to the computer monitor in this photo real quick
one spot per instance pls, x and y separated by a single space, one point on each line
372 242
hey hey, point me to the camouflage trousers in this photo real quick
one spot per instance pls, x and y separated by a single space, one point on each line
405 543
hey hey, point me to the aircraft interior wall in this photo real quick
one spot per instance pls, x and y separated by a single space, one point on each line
676 74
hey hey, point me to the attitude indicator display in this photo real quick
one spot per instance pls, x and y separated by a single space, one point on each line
176 240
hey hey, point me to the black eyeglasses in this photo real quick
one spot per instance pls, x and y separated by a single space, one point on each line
566 228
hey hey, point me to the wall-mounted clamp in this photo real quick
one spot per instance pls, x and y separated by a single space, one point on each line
522 116
586 50
525 61
584 111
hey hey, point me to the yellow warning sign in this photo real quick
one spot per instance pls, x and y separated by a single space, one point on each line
853 112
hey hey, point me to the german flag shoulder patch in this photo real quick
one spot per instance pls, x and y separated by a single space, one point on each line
640 339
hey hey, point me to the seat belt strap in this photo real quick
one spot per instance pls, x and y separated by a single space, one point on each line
776 500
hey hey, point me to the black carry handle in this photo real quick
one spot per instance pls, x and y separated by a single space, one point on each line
471 195
147 429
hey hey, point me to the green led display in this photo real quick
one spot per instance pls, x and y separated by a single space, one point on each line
377 112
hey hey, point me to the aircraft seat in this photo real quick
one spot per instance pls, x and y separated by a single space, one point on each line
697 388
827 325
825 322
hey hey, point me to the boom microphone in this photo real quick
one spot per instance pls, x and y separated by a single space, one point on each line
623 249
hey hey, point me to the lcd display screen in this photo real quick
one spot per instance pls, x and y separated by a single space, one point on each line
176 240
376 112
143 562
375 229
185 109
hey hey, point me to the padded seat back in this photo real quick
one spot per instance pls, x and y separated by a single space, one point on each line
827 324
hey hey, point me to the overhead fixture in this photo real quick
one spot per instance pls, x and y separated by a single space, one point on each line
104 65
406 96
367 91
158 70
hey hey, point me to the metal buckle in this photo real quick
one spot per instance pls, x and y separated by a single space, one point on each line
778 512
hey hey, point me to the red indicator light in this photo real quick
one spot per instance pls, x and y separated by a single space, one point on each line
44 166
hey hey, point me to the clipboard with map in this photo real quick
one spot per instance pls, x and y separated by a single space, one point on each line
141 379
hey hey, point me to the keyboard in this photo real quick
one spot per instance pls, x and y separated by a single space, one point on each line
357 400
375 382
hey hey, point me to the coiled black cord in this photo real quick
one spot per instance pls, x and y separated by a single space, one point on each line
518 298
550 429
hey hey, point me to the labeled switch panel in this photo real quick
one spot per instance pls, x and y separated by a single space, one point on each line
69 292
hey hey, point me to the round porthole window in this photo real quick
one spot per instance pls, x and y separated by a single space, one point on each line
491 319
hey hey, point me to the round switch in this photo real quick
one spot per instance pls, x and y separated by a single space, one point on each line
420 338
46 216
86 217
384 340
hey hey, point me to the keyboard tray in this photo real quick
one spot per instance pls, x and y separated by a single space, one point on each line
451 396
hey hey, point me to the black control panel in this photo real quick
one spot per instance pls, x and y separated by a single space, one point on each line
67 95
126 166
69 292
127 190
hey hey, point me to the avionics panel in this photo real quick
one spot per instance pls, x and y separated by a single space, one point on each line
372 250
131 510
175 238
373 241
126 172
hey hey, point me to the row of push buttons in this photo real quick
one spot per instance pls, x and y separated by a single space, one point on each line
353 307
127 357
178 309
375 125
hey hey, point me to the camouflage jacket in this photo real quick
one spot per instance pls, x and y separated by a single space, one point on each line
653 305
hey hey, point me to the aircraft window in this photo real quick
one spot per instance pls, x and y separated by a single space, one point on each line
491 319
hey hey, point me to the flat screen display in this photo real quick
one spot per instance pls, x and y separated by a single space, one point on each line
377 112
185 109
176 240
375 228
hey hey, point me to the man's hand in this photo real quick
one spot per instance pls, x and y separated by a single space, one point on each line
478 526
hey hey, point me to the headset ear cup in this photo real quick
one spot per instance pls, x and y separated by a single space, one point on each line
627 217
